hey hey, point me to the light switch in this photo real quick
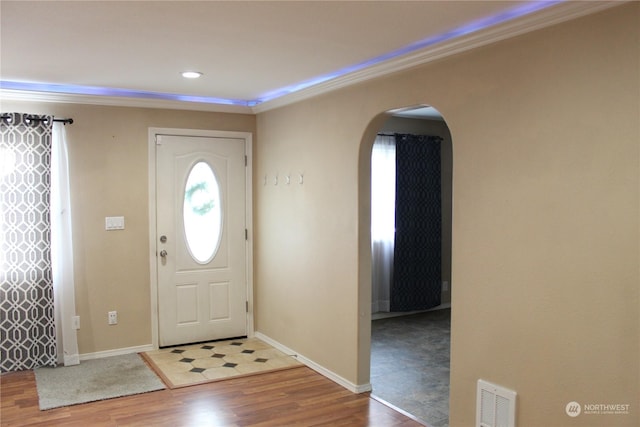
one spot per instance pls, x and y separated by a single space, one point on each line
114 223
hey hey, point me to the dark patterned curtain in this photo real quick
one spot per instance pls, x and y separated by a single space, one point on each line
417 266
26 289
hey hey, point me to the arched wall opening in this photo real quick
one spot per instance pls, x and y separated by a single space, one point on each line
408 120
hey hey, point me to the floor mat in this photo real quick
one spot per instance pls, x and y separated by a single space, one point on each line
192 364
93 380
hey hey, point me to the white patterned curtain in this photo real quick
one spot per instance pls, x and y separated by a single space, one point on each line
26 285
383 193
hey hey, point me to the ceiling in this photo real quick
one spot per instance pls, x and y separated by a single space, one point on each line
254 55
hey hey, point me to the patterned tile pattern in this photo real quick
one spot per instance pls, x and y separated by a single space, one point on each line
218 360
26 285
410 364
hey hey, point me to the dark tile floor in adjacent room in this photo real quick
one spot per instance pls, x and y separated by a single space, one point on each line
410 364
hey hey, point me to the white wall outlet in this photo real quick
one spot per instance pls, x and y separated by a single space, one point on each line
114 223
75 322
113 317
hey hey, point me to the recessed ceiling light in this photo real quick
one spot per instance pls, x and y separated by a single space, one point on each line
191 74
527 8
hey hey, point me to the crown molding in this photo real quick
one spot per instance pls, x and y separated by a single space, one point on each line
547 17
544 18
116 101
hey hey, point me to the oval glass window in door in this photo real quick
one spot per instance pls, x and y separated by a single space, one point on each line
202 213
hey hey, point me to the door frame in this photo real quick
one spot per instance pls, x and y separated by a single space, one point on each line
153 236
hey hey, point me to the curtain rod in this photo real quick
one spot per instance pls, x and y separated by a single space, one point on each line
36 119
419 134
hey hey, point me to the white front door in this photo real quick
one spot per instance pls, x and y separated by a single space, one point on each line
201 247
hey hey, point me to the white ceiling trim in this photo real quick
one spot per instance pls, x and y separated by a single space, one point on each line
117 101
544 18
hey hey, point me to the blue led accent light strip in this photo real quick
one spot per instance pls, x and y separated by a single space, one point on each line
103 91
463 30
470 28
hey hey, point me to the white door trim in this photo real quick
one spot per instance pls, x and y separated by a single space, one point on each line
153 238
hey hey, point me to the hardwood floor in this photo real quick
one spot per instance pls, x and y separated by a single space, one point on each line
299 397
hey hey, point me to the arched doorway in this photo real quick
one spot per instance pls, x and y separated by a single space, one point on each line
409 343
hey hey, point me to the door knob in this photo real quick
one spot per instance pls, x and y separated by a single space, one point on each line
163 253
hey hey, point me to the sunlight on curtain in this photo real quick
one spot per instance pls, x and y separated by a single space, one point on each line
383 193
62 249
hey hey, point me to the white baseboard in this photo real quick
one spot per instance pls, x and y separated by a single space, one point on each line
116 352
386 315
382 305
71 359
354 388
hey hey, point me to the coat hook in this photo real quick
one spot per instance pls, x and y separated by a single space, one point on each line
287 179
301 178
275 180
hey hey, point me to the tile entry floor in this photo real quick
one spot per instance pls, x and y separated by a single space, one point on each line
205 362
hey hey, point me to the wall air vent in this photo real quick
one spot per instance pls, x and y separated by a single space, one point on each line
496 406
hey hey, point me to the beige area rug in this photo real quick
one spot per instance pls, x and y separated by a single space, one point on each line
192 364
93 380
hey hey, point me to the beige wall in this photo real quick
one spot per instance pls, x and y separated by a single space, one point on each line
108 156
545 131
